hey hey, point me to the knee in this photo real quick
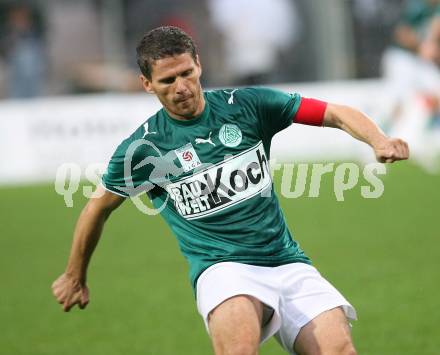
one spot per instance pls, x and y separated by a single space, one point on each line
351 351
239 349
339 348
244 349
347 349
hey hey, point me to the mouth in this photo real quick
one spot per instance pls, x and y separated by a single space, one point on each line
183 99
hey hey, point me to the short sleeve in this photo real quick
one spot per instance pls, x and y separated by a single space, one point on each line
276 110
129 169
113 178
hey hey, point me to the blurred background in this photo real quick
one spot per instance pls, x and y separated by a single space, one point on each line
64 47
68 73
69 93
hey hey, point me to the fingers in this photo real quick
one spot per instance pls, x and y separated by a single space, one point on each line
71 301
68 304
58 292
84 300
396 149
60 298
402 149
69 293
387 157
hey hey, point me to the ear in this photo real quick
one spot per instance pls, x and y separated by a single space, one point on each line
146 84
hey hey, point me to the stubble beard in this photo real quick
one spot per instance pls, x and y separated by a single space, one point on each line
193 104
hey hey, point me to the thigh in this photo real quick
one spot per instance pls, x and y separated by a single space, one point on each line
306 296
235 325
328 333
224 281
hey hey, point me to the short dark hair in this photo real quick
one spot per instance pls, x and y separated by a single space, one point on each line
163 42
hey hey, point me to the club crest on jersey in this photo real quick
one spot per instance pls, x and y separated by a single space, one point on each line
222 185
188 157
230 135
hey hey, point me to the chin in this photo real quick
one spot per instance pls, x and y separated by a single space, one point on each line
187 111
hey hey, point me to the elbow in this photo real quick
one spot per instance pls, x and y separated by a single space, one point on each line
333 116
102 204
98 210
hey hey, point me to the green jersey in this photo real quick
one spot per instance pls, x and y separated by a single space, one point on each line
210 177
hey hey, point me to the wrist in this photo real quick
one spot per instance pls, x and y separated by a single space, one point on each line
379 141
75 275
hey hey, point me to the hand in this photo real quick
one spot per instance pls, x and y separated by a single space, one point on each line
69 292
391 150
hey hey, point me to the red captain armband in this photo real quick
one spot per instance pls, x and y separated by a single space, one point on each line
310 112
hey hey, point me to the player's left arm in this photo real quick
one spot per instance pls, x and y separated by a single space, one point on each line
361 127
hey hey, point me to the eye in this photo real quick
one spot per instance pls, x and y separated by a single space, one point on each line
169 80
187 73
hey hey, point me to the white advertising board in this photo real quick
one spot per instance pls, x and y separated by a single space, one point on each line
37 136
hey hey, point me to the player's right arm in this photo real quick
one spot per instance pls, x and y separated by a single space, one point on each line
70 288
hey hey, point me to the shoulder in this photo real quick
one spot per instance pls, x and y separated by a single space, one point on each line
257 99
239 95
136 138
268 97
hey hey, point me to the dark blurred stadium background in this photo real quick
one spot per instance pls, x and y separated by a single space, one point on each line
75 43
69 93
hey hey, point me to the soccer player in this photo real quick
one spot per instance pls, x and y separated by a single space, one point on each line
203 159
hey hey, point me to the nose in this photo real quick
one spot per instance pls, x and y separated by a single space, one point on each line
181 87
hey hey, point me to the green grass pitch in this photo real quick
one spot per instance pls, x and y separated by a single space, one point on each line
383 254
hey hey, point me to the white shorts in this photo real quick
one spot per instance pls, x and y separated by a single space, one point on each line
296 292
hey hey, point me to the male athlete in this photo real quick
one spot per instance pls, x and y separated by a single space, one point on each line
203 158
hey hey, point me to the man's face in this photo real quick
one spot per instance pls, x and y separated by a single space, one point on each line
176 82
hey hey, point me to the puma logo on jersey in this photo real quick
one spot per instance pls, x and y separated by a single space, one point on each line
208 140
146 130
231 98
